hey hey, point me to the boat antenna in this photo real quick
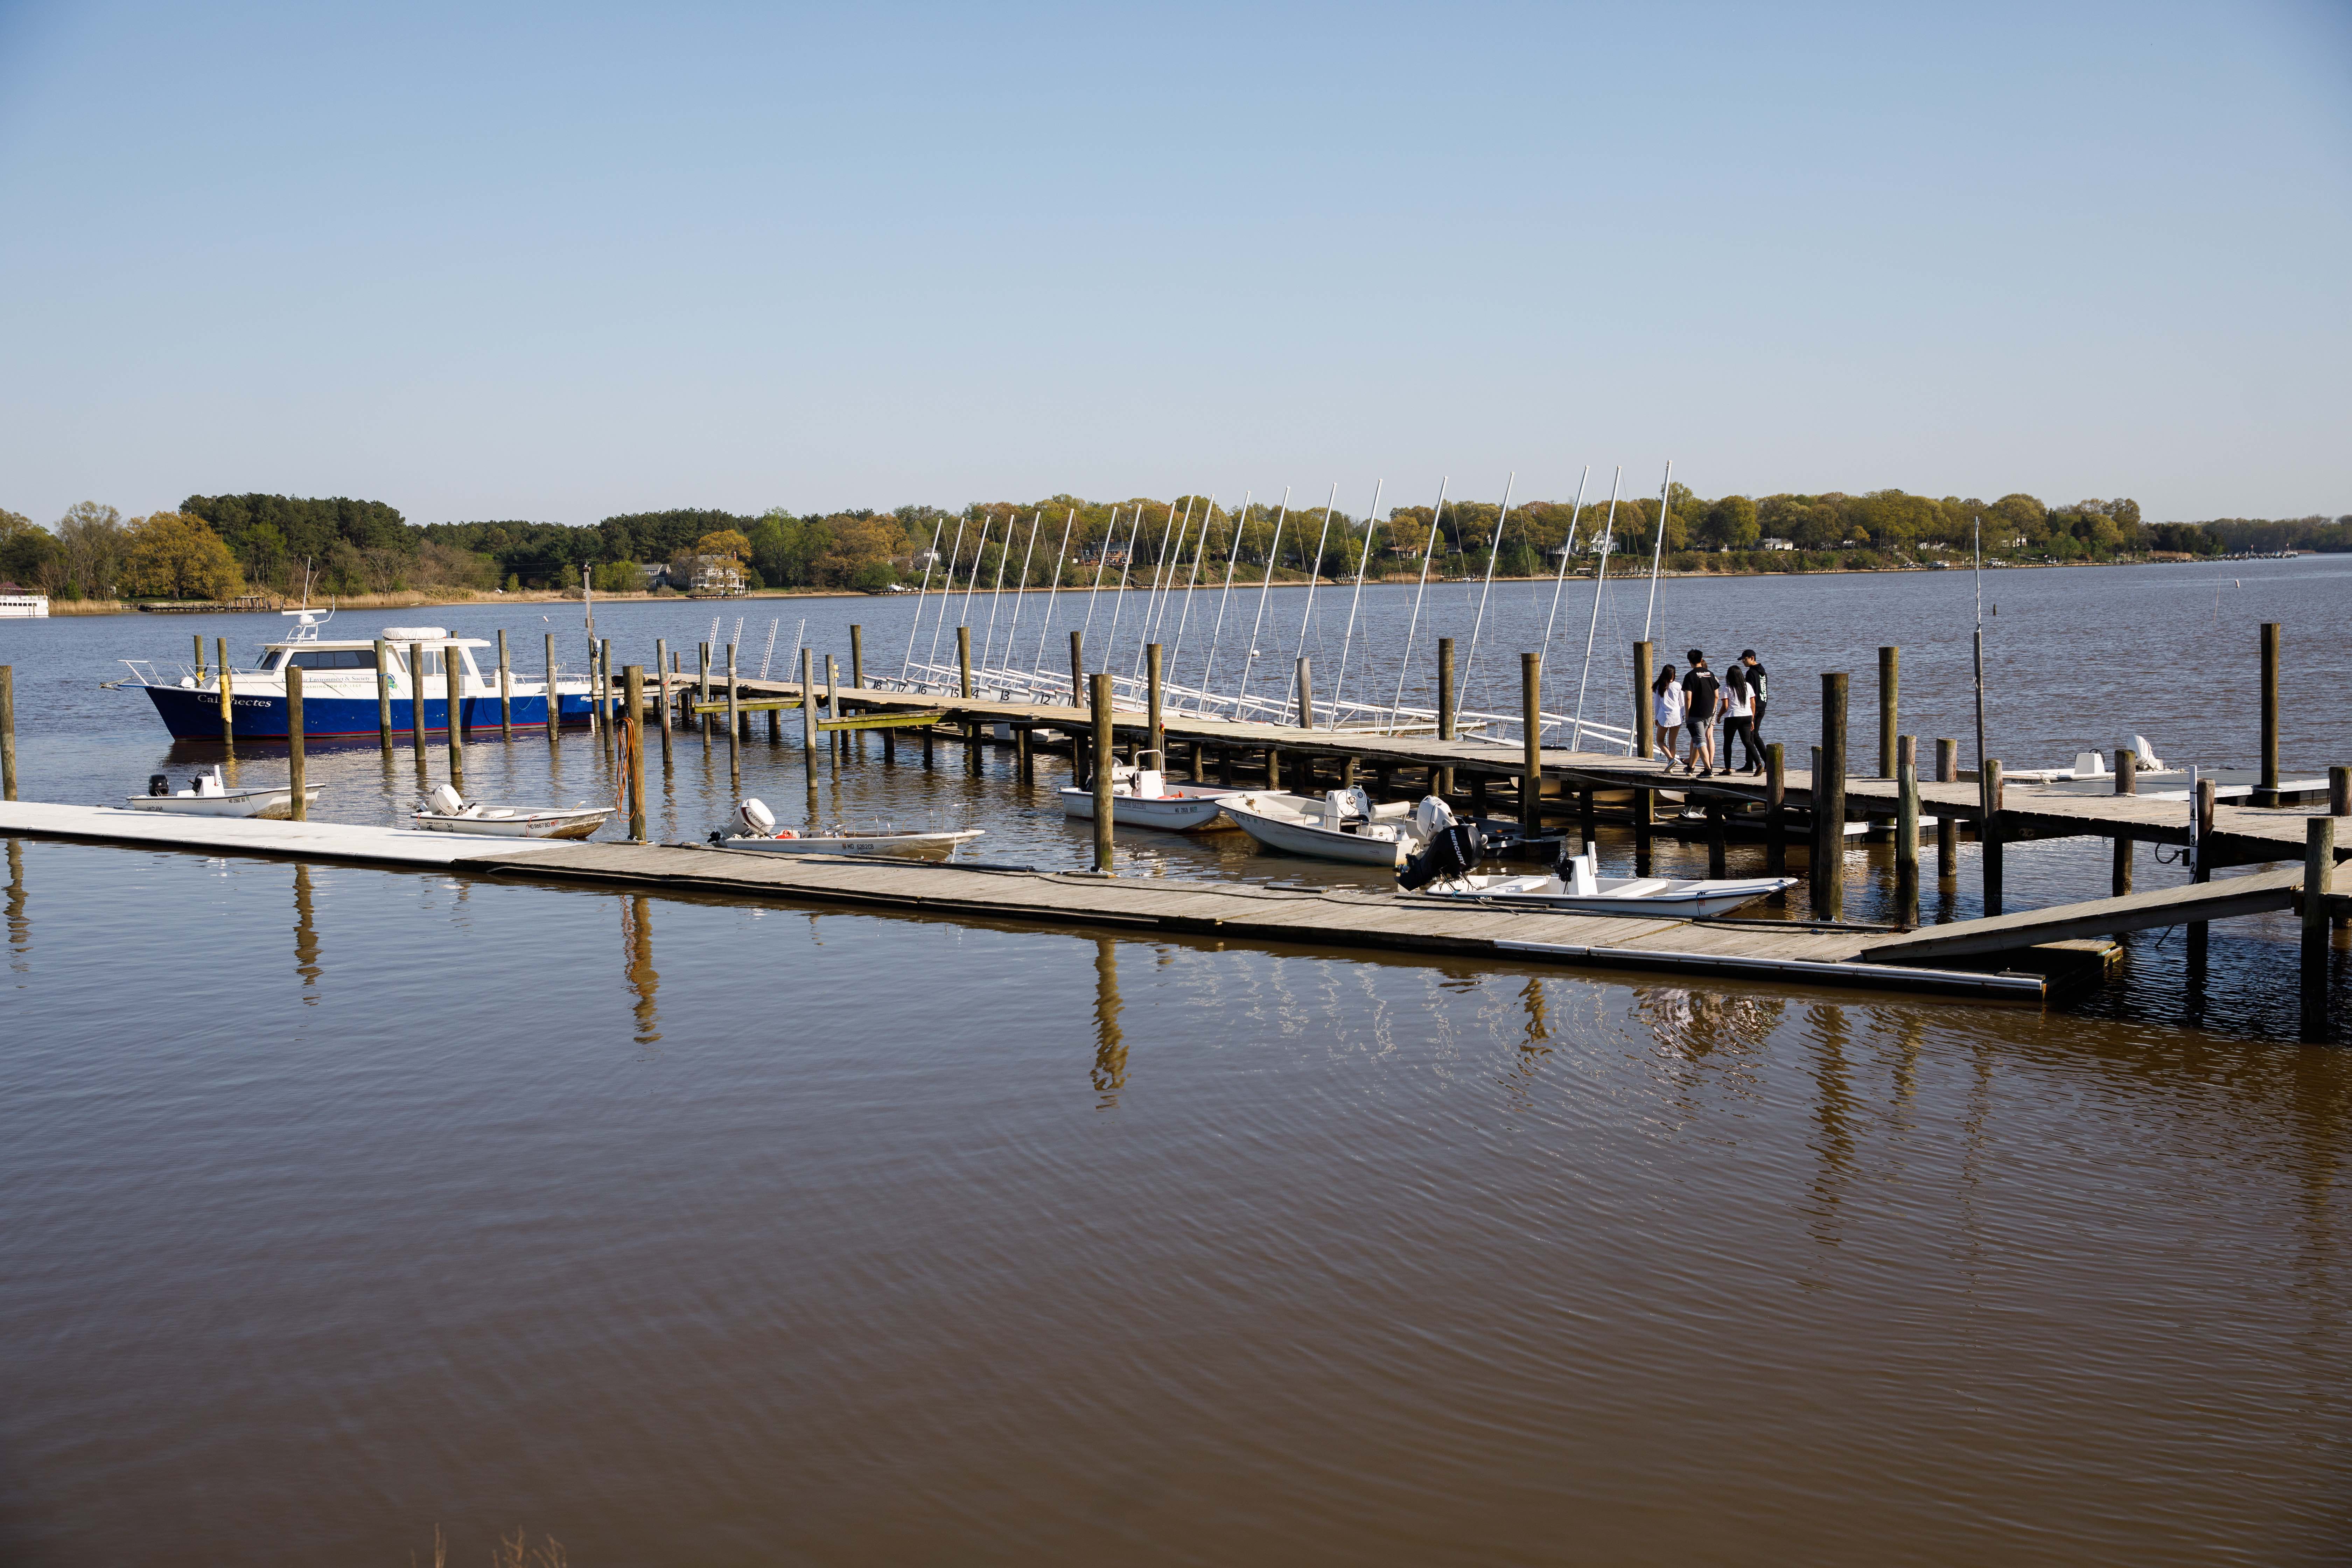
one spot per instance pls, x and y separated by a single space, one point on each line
1658 550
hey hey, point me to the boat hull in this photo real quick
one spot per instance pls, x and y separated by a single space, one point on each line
193 715
918 844
1693 900
579 824
1317 843
1172 814
242 802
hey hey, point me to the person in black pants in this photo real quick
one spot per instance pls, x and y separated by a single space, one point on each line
1757 690
1700 694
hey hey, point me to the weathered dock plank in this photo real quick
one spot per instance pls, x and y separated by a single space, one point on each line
2232 896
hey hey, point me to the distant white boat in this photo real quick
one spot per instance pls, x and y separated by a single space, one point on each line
445 811
762 836
2091 765
208 796
1343 825
1143 797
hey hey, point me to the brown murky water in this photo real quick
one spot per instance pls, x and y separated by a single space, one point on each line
339 1202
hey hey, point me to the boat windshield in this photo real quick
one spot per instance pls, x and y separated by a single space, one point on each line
319 658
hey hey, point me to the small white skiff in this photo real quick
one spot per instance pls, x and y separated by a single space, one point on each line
445 811
1585 893
766 838
1342 825
1143 797
206 795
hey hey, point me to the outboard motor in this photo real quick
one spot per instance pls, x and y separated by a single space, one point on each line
157 785
758 820
1451 851
445 801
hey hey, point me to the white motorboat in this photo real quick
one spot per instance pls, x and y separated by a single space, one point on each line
208 796
1343 825
1143 797
446 811
1581 891
2091 765
761 835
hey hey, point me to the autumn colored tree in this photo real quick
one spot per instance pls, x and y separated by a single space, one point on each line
173 555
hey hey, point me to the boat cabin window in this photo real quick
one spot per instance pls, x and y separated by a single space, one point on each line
333 658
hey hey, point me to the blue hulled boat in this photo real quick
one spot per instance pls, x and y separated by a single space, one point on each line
340 680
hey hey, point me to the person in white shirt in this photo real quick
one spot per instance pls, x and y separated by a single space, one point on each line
1740 704
1667 703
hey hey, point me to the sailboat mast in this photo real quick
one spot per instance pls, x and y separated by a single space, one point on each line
1658 550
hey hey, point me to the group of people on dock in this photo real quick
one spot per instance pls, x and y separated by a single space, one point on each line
1697 700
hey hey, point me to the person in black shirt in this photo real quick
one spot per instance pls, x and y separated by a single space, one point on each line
1701 695
1756 685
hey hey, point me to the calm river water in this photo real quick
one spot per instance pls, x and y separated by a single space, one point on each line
337 1204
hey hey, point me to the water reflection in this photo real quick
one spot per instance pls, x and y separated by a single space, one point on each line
20 928
1109 1074
644 980
306 937
1834 1115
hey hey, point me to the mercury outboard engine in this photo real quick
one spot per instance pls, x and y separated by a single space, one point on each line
1452 850
157 785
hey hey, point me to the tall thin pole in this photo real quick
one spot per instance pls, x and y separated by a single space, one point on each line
1119 600
1567 553
1200 551
946 592
1658 549
1314 575
1265 591
971 584
996 594
1102 563
1233 553
1436 519
931 559
1166 590
1980 718
1046 629
1599 577
1020 590
1364 561
1494 553
1152 599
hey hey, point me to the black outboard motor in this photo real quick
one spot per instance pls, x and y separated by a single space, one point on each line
1450 853
157 785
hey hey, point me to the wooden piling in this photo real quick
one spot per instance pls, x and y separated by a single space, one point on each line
228 701
417 702
2268 792
1776 810
1306 693
554 697
603 691
7 731
1102 775
1948 828
1025 765
1531 745
1155 728
1828 801
833 701
1645 746
808 715
857 657
633 680
1077 669
449 683
2318 874
2119 879
294 739
702 684
1907 831
734 705
2339 790
200 659
505 691
382 693
1989 834
2202 867
663 670
1889 668
1446 716
963 662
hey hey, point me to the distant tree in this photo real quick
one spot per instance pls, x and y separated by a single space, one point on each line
173 555
727 541
28 553
1730 524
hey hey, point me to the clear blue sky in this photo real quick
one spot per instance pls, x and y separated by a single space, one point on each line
489 262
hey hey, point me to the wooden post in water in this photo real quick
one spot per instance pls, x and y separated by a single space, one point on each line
554 698
1024 759
294 738
963 662
808 710
7 731
1645 747
1988 834
228 700
1907 830
1445 717
1102 775
832 701
2318 873
1156 729
1531 745
449 666
702 686
663 669
605 700
633 686
1889 661
2200 827
1077 669
383 694
2339 803
1306 693
505 691
854 740
200 659
2119 882
1828 801
1948 828
2268 793
1776 810
416 703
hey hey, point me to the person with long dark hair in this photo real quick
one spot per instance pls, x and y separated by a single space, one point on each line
1666 707
1740 705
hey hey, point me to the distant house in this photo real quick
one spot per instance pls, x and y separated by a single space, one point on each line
1775 544
657 574
717 576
